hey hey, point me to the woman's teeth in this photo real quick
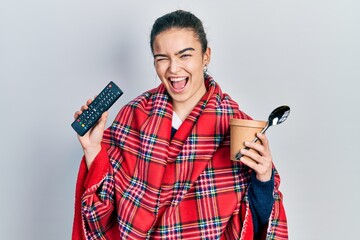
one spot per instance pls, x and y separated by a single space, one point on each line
177 79
178 83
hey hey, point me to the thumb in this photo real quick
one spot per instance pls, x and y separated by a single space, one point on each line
103 120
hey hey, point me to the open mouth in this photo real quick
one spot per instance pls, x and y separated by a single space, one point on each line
178 83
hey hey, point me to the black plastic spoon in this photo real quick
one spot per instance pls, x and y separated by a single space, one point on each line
276 117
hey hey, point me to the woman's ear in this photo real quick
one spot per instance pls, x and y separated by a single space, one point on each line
207 56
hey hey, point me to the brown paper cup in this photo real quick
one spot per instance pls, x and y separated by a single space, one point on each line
241 131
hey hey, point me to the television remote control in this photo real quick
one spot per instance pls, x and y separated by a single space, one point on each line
86 120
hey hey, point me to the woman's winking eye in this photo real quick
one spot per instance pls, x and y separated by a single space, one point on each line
159 59
185 55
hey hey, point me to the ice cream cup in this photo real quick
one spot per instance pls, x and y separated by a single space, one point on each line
242 130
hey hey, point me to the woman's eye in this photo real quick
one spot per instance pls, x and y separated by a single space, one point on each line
160 59
185 56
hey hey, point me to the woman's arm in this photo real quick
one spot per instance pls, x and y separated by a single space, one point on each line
94 201
261 200
261 189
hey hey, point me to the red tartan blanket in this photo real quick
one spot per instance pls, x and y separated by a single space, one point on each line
144 185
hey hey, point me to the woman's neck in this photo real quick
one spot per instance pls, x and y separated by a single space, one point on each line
183 109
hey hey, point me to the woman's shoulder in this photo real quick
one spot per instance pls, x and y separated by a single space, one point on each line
142 98
229 105
140 102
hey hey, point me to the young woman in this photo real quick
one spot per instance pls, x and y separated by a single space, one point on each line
163 170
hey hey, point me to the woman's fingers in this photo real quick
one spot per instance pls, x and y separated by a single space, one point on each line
86 106
261 147
249 162
261 165
102 121
258 157
77 113
256 146
83 108
264 142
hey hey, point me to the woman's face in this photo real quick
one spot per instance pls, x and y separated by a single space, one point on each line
179 63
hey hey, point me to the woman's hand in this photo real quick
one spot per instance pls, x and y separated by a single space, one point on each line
259 160
91 141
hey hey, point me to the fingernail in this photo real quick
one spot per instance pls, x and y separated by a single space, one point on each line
247 143
243 151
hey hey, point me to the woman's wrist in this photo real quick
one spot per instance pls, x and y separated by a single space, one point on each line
90 153
264 177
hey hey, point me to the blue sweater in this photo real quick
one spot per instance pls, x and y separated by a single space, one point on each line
261 200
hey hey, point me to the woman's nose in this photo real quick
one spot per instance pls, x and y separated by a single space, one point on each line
174 66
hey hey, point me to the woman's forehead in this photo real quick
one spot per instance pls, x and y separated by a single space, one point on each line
176 39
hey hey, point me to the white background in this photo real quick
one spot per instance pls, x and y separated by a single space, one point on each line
56 54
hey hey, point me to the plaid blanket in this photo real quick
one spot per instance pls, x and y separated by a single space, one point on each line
144 185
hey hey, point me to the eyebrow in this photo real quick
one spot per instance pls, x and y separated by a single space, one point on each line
179 52
184 50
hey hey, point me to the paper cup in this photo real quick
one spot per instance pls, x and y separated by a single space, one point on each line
241 131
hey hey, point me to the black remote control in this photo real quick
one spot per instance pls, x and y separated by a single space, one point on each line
101 103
